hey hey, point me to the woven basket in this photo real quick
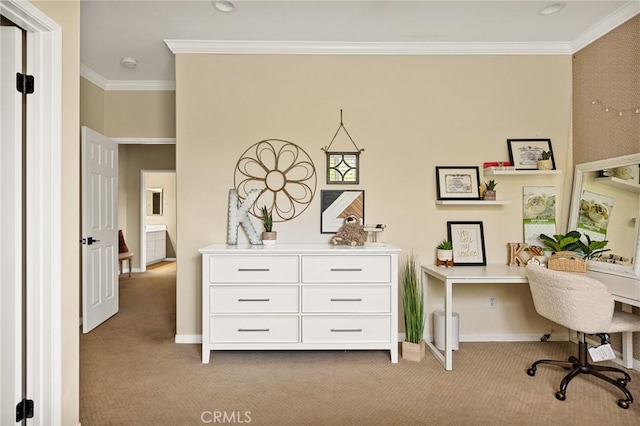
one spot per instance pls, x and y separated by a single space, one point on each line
567 261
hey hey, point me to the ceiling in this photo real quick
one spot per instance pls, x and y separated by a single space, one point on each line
113 29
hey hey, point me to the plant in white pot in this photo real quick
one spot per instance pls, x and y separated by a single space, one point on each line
545 162
413 346
269 236
444 253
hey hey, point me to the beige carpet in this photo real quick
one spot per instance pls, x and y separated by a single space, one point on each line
132 373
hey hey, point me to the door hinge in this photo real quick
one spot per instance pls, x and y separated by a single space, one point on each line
25 83
24 410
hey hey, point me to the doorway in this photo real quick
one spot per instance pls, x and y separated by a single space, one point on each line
158 223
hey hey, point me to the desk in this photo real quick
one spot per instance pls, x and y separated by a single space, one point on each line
624 290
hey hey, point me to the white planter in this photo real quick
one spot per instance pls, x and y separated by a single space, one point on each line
545 164
444 255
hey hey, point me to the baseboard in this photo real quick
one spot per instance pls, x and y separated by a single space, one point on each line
555 337
188 339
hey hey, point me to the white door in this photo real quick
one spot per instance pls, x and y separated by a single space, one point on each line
99 229
11 225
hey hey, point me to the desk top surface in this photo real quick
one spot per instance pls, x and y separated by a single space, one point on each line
626 290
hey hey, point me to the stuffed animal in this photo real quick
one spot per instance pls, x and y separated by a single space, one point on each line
351 233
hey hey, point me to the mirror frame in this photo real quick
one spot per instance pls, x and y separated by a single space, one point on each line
580 169
156 191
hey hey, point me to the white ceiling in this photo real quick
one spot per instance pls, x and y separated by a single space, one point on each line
112 29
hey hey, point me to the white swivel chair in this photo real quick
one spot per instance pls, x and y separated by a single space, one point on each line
584 304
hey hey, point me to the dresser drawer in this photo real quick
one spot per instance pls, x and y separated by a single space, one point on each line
346 269
249 299
253 269
355 298
360 329
253 329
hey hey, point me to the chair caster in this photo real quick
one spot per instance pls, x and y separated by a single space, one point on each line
622 382
531 372
561 396
573 359
623 403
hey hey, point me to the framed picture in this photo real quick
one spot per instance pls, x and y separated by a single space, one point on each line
525 153
336 205
467 239
458 183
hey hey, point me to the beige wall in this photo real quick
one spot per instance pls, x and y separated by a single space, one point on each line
139 114
606 71
410 114
67 15
92 106
166 181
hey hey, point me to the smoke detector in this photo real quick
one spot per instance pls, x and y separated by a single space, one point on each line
128 62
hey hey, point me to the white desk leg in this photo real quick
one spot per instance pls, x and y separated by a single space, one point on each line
425 287
627 343
448 325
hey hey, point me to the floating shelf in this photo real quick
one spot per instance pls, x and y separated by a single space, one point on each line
472 203
620 183
520 172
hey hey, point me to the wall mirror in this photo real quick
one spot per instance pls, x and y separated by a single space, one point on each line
154 201
605 204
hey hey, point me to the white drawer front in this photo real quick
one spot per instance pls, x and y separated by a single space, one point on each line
249 299
253 329
253 269
355 298
346 269
359 329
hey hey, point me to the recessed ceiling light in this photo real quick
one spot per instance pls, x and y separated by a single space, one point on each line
551 9
224 6
128 62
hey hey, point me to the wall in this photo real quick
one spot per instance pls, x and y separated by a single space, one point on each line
410 114
139 114
166 181
608 72
67 15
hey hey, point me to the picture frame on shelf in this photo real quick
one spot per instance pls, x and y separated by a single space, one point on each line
458 183
525 153
467 239
336 205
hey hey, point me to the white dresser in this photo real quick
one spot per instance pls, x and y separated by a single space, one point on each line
299 296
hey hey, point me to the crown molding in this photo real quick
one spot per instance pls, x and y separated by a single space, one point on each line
617 18
257 47
144 141
125 85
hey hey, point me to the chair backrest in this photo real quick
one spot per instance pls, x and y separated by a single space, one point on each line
571 299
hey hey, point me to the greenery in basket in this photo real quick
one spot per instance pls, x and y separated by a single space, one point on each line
592 248
445 245
491 185
545 155
560 242
267 219
413 301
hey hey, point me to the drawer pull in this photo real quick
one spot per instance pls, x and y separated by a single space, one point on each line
346 269
346 330
253 269
253 300
346 300
253 330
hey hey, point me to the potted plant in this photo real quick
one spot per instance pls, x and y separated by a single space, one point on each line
490 190
444 251
413 346
545 162
592 249
269 236
560 242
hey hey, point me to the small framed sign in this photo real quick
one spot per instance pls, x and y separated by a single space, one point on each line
525 153
458 183
467 239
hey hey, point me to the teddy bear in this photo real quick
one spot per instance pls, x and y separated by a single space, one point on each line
351 233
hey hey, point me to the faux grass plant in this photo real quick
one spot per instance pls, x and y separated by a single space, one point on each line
413 301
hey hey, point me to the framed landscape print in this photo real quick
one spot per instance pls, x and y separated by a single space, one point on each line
525 153
467 239
458 183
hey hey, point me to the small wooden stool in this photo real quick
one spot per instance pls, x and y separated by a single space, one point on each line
125 256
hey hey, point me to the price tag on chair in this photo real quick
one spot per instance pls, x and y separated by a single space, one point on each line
602 353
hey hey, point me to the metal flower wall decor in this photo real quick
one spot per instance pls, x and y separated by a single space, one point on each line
283 172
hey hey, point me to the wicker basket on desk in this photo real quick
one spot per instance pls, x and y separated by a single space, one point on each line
567 261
